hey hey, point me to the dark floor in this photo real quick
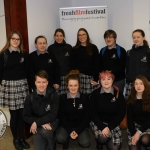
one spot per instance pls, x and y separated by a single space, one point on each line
6 142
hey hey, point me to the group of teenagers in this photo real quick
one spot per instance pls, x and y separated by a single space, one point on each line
74 88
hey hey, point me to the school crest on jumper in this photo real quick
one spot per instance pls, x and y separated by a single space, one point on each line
113 56
67 54
144 59
48 107
50 61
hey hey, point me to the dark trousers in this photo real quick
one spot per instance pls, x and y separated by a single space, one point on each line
44 138
83 138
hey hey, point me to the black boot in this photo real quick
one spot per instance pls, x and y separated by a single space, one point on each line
17 144
24 144
66 145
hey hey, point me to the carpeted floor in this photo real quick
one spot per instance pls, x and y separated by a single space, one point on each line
6 142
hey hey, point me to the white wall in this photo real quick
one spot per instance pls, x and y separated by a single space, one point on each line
2 25
123 17
43 18
2 43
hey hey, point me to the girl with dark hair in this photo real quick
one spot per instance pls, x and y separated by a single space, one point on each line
41 59
85 58
14 87
62 51
73 114
138 60
107 110
138 114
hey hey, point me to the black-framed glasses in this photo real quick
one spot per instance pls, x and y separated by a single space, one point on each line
14 39
80 35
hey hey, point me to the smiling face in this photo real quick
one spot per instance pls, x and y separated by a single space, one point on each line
41 84
59 37
41 44
138 38
139 86
106 82
15 41
110 41
82 36
73 86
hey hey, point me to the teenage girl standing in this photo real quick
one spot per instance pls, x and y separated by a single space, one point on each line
14 87
62 52
85 59
138 60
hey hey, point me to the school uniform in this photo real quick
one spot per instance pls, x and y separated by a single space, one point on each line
137 63
73 116
137 119
42 109
14 87
62 53
44 61
109 60
87 65
107 111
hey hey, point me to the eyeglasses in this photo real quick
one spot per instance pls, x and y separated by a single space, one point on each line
14 39
109 37
80 35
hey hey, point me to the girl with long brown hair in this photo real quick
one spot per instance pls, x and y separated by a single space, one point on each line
138 114
14 87
85 58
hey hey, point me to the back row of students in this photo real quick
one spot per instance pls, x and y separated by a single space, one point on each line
58 60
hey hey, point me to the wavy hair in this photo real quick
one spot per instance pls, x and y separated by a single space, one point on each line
145 96
72 75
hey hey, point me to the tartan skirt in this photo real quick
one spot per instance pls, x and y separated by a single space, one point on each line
115 134
63 88
128 87
13 93
85 84
136 128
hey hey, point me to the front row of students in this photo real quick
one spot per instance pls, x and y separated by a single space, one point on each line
105 109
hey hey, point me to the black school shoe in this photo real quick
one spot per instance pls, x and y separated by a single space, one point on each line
24 144
17 144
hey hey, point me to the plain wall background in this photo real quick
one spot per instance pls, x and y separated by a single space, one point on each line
2 25
123 17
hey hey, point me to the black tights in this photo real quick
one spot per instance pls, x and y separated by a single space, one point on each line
144 141
16 123
102 140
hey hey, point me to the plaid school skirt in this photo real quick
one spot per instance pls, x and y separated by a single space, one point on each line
85 84
115 134
63 88
13 94
136 128
128 87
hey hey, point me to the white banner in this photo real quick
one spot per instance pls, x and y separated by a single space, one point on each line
94 19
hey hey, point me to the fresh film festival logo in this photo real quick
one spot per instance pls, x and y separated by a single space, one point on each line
3 123
83 12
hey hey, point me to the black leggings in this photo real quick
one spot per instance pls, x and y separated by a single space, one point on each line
102 140
144 141
16 123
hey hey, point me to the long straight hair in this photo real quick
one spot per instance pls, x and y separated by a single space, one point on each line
8 41
145 96
88 41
